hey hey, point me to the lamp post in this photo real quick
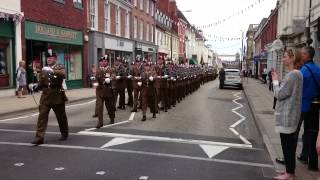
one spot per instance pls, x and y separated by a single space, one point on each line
308 28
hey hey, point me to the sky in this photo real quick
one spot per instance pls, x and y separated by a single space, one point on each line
206 12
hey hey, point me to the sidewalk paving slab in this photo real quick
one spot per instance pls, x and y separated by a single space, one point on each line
261 101
13 105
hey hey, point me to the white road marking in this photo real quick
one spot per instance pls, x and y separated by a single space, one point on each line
100 173
19 164
143 178
242 119
132 116
212 151
115 124
142 153
164 139
36 114
59 168
118 141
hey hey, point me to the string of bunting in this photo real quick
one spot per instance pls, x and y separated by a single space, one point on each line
257 2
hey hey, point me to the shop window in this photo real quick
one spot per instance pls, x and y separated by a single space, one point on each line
5 62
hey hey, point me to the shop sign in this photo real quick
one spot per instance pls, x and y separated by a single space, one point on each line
44 32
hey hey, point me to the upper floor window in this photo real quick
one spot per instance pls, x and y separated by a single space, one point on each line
152 8
61 1
127 25
118 20
93 14
78 4
147 7
106 15
141 30
135 27
141 4
147 32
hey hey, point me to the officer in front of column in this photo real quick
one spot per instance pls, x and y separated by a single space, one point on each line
53 97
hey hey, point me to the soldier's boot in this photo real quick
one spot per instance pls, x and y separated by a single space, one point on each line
154 115
64 136
144 118
134 110
111 121
37 141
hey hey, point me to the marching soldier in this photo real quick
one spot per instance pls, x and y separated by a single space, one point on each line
148 92
136 84
129 84
120 83
53 97
105 77
164 87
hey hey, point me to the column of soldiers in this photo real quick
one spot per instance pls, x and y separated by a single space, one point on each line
157 86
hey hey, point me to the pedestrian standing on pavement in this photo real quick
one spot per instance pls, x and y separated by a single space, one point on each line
270 79
310 113
53 97
21 79
287 112
222 77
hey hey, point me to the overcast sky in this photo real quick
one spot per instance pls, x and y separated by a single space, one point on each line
209 11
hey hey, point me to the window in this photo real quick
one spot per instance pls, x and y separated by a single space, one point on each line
135 27
152 8
147 32
148 6
118 21
93 14
135 3
60 1
141 4
152 31
141 30
78 4
106 16
127 25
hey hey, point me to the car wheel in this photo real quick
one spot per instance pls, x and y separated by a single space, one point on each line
240 87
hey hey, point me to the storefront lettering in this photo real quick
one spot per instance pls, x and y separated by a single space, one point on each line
55 32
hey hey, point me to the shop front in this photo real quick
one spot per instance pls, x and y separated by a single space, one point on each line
145 51
113 46
67 44
7 53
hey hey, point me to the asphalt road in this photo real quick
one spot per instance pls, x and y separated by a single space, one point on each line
210 135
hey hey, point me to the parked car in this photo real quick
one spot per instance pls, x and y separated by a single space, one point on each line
232 78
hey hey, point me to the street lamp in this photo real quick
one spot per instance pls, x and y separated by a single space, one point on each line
308 33
171 31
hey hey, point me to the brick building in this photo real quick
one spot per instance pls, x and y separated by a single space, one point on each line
60 26
144 28
110 30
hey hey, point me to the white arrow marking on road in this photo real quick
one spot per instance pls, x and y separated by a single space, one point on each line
212 151
100 173
143 178
59 168
118 141
18 164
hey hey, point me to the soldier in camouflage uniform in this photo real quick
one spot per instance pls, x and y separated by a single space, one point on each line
105 77
53 97
120 83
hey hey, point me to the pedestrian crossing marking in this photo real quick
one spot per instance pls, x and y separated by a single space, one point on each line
212 151
118 141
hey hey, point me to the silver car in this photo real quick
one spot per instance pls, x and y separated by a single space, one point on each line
233 78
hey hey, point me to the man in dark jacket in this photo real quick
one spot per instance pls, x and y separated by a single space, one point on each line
222 77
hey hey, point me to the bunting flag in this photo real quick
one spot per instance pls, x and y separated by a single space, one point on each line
240 12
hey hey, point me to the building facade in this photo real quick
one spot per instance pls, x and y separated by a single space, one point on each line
110 24
250 50
58 26
10 44
144 25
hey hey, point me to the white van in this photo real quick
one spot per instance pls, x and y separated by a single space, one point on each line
233 78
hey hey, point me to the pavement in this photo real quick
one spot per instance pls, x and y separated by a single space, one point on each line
261 101
211 134
12 104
